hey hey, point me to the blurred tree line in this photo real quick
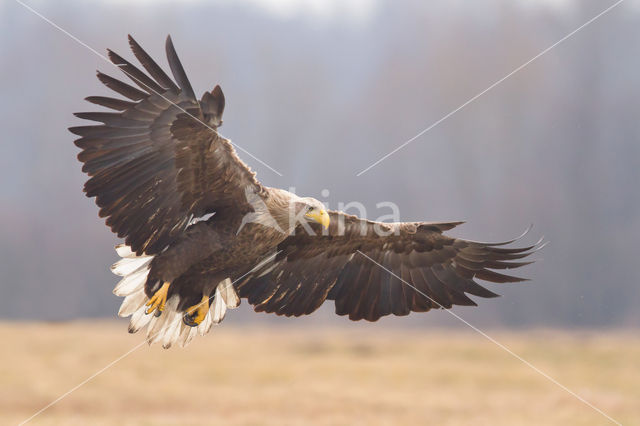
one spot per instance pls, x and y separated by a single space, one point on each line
320 99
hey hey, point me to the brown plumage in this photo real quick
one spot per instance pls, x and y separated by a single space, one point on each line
201 231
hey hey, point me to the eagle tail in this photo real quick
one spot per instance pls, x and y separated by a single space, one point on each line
168 328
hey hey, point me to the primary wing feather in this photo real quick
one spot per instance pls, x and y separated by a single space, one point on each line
158 162
371 269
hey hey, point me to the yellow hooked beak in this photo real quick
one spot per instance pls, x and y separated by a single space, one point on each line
319 215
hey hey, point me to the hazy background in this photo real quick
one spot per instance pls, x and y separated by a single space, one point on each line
322 90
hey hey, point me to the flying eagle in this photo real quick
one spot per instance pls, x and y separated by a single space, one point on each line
201 232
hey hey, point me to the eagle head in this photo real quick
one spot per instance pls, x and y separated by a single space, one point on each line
307 210
314 210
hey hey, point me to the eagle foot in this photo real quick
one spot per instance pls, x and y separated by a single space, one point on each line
158 300
194 315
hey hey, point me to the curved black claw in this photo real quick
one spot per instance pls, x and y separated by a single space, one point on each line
196 313
190 319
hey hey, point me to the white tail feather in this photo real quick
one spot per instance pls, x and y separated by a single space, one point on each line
156 330
228 293
139 319
219 307
187 334
132 303
205 325
131 283
152 322
128 265
172 331
168 328
124 250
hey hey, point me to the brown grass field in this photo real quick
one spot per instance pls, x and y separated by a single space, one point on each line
284 375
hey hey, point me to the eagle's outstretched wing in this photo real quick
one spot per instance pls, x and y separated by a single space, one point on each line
158 162
373 269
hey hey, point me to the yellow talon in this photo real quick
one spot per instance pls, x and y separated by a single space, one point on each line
196 313
158 299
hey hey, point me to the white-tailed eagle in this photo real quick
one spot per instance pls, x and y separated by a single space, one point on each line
201 232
